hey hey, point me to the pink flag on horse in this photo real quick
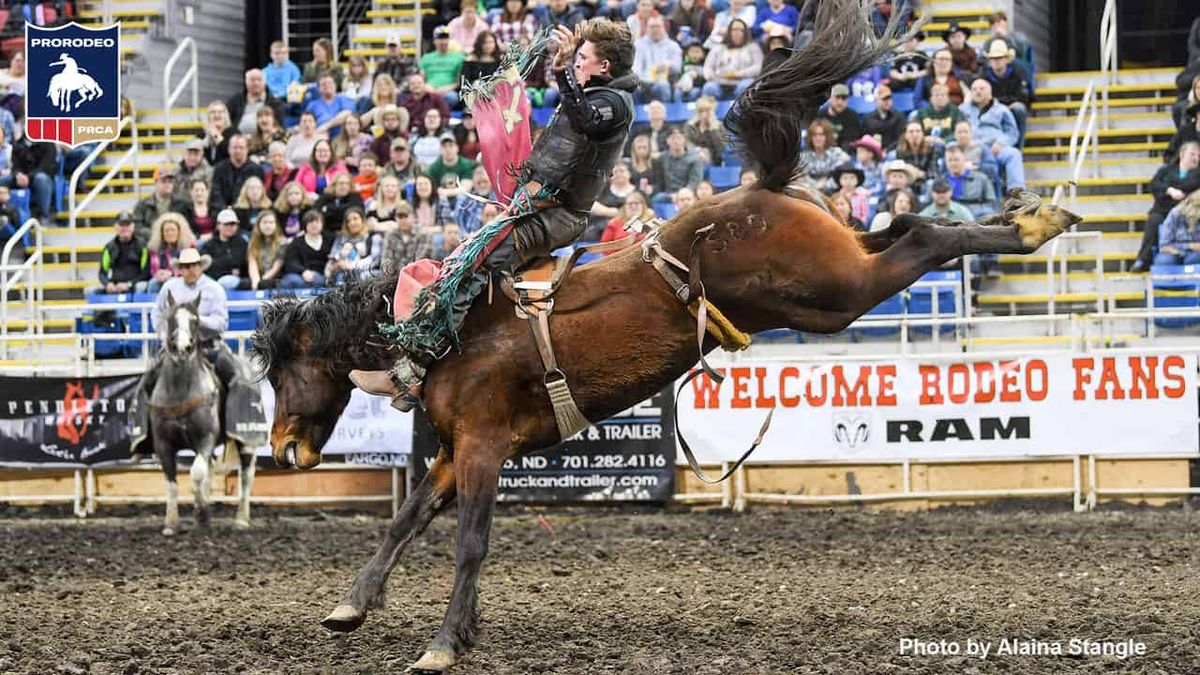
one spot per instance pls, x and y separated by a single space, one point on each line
502 122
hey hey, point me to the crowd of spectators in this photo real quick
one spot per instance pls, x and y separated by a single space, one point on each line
311 174
1172 233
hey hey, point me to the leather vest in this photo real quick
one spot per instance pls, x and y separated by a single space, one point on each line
572 162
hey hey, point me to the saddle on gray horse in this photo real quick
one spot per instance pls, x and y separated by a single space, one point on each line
243 419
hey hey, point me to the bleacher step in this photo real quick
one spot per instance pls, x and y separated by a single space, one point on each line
1126 76
1117 120
1140 167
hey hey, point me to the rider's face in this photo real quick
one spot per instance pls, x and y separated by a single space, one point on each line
190 273
588 64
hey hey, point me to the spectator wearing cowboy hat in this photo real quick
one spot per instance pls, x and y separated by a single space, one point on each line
884 122
162 201
847 126
1011 82
898 175
910 65
1016 41
227 252
868 153
394 64
966 61
849 180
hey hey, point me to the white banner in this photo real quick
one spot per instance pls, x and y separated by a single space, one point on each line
896 409
369 431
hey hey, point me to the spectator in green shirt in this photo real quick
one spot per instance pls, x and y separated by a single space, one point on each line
943 205
451 162
443 67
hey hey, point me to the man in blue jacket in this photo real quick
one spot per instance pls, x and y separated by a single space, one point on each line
996 128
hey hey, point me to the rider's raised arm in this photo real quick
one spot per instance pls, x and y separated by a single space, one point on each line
596 113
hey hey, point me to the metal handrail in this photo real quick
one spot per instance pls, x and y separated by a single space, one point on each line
1108 51
190 76
34 265
1053 289
1083 138
73 208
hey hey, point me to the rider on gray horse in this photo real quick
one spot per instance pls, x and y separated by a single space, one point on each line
214 319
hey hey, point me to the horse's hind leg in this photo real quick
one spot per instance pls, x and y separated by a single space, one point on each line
435 493
478 472
246 485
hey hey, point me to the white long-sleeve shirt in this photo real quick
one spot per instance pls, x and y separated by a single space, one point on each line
214 314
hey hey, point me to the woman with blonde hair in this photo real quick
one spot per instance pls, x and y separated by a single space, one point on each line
169 235
636 207
264 255
1179 236
290 205
384 93
216 132
352 143
389 195
251 202
358 81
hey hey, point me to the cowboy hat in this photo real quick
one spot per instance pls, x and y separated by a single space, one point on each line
998 49
190 256
871 144
848 168
955 28
902 167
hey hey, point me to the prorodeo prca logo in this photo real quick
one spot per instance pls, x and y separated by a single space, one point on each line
72 83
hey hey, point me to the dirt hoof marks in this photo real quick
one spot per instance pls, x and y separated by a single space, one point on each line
168 532
343 619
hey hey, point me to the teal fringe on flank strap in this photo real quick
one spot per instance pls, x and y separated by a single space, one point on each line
430 331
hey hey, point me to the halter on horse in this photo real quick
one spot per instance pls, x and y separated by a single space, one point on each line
769 256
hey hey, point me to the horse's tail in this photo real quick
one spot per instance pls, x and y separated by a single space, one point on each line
766 120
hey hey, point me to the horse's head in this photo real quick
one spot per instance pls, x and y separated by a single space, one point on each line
182 330
306 349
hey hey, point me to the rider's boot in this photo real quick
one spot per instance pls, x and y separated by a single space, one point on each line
402 383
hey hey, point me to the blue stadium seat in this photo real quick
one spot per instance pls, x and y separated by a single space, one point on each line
861 105
724 177
665 210
921 299
1171 293
541 116
904 101
730 157
892 308
678 113
723 108
640 116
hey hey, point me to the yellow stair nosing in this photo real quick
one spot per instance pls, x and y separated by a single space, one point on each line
1111 116
118 13
1078 89
1103 147
63 250
397 13
376 51
1065 134
1117 181
1111 161
1108 198
1124 71
1058 297
1038 259
1112 103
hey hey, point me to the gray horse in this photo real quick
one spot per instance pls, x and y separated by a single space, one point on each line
184 410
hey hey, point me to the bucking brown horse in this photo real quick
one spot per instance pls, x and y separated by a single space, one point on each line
769 256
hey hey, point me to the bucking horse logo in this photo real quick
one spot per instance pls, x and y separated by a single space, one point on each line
72 80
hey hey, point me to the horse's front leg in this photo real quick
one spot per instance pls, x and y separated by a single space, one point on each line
202 477
431 497
166 460
245 486
477 469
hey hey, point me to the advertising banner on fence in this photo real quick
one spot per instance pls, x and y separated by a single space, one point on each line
628 457
369 432
69 421
896 409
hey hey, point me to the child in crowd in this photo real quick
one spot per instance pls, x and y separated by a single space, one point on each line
367 177
281 72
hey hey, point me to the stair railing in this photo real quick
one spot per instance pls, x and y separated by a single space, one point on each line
75 206
190 76
1108 52
31 271
1083 138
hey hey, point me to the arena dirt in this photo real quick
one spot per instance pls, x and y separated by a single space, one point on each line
610 591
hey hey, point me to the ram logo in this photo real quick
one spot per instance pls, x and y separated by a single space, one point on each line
852 431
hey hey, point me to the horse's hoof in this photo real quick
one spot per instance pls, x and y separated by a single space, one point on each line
432 662
344 619
168 532
242 524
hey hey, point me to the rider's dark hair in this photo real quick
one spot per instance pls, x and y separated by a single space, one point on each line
612 41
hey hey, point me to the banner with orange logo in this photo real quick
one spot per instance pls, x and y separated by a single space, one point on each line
65 421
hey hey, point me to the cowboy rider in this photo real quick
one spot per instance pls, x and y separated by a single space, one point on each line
571 160
214 316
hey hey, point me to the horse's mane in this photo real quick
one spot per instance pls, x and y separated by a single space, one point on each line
333 323
766 121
